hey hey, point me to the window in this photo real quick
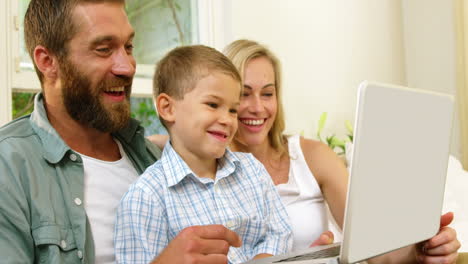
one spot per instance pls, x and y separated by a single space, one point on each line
160 26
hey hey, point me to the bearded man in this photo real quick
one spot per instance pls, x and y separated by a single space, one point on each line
64 168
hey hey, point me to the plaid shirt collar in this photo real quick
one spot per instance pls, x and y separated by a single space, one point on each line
176 169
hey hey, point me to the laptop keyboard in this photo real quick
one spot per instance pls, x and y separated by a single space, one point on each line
324 253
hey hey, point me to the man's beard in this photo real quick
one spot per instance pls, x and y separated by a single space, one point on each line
83 102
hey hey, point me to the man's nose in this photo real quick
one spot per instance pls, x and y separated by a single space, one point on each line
124 64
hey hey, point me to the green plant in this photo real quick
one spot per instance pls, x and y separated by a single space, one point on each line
333 141
23 104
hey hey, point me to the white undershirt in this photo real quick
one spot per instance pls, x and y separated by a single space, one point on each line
104 185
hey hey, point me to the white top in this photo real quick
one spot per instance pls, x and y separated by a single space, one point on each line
303 199
105 184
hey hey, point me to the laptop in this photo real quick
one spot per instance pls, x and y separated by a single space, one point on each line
397 175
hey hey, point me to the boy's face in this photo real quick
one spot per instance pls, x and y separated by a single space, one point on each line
205 120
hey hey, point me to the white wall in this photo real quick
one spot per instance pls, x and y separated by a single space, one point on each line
326 48
430 51
5 65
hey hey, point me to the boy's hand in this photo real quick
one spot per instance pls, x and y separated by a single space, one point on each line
326 238
200 244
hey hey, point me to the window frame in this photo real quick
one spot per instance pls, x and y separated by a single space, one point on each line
208 17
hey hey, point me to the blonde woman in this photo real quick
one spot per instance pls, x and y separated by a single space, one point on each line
307 173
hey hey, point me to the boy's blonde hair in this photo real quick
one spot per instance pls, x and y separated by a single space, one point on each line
180 70
240 52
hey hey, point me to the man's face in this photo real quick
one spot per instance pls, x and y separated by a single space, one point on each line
96 76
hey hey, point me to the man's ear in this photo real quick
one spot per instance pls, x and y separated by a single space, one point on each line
46 62
165 107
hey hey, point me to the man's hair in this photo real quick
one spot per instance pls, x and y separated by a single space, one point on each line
180 70
50 23
240 52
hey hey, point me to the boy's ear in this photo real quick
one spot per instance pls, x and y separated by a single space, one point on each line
165 107
46 62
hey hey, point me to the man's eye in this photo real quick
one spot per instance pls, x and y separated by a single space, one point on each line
103 50
129 47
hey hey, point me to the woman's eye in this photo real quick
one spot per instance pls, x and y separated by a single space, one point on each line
212 105
268 94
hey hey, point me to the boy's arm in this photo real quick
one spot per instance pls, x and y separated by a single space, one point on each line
200 244
278 237
140 228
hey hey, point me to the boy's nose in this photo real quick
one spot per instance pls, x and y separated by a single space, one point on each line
228 119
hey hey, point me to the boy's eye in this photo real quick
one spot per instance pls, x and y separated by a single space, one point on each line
233 111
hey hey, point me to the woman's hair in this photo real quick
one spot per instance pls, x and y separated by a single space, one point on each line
241 52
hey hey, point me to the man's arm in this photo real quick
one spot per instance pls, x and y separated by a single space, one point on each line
16 242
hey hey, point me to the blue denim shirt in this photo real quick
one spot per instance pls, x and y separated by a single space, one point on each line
40 176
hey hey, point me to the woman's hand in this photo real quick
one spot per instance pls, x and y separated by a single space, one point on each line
443 247
326 238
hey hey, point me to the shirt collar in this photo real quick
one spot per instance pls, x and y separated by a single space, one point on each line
54 146
176 169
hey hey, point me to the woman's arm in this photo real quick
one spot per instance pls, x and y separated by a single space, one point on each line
331 175
442 248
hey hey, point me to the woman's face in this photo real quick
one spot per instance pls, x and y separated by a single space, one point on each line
258 105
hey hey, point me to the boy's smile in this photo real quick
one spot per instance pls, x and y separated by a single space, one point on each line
205 120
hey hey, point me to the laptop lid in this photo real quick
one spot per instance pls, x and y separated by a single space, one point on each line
398 169
397 174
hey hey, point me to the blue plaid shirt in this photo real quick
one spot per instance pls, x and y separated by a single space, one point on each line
169 197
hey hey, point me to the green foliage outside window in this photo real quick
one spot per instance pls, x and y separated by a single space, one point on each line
23 104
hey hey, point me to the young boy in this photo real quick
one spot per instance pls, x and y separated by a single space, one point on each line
198 181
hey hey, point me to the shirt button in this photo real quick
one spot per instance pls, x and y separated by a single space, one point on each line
63 244
73 157
77 201
80 254
230 224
